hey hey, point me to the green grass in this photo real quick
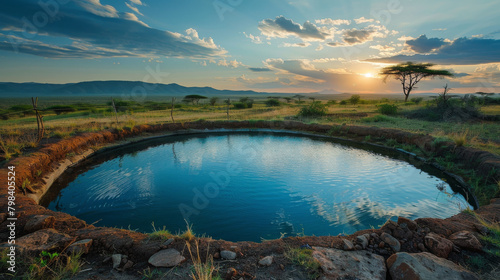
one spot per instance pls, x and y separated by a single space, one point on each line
303 257
159 234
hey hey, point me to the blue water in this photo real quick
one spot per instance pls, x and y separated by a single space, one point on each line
251 187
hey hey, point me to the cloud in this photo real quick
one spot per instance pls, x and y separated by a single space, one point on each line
334 44
95 7
283 28
255 39
259 69
461 51
329 21
135 9
324 60
303 73
297 45
99 27
424 45
355 36
382 48
231 64
363 20
137 2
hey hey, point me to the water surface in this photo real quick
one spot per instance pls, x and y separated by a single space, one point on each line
249 186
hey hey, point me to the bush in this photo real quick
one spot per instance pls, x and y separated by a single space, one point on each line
60 109
354 99
272 102
316 109
331 102
417 100
343 102
239 105
388 109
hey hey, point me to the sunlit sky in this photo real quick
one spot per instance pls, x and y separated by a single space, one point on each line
274 46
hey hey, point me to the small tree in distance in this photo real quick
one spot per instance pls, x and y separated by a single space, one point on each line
409 74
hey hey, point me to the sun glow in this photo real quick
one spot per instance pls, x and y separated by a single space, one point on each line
369 75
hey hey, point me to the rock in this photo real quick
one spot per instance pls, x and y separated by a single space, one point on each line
348 246
231 273
398 233
438 245
482 229
166 258
39 222
79 247
266 261
228 255
168 242
422 247
362 240
338 264
389 226
393 242
217 255
467 240
381 244
411 225
128 265
43 240
106 259
358 247
374 235
422 266
282 267
117 259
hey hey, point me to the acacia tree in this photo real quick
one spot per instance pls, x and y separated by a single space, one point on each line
193 98
409 74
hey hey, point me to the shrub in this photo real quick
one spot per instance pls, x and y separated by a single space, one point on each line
388 109
417 100
239 105
343 102
272 102
331 102
354 99
316 109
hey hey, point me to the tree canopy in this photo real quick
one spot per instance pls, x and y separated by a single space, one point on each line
193 98
409 74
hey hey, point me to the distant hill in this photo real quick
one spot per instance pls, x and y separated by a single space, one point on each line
111 87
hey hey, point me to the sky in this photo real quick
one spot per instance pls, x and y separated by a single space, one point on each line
274 46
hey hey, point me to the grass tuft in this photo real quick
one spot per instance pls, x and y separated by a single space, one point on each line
303 257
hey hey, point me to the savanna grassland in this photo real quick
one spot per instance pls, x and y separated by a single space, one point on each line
475 125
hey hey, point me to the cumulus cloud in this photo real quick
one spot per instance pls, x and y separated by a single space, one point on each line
329 21
363 20
461 51
255 39
232 64
425 45
359 36
100 27
282 27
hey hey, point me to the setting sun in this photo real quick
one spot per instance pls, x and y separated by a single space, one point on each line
368 75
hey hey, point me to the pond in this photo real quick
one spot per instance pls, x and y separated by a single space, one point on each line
250 186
